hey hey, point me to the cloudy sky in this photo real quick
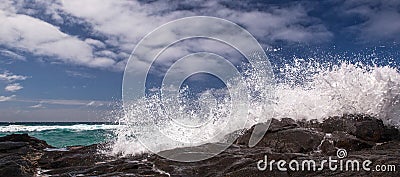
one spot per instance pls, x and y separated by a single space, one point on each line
63 60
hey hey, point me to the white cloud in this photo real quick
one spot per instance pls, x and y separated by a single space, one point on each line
6 98
126 22
286 24
381 18
13 87
95 43
65 102
123 23
37 106
95 103
12 55
10 77
80 74
8 5
42 38
54 114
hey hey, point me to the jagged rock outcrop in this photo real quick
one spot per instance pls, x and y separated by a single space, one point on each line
364 138
19 155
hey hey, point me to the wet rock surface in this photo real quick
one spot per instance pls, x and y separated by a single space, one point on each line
364 138
19 154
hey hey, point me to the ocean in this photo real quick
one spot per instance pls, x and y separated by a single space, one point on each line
62 134
304 90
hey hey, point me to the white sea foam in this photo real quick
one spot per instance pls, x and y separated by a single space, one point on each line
38 128
339 89
303 90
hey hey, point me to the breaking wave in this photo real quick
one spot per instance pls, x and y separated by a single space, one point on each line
38 128
302 90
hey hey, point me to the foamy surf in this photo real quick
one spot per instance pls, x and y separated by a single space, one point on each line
38 128
341 89
304 90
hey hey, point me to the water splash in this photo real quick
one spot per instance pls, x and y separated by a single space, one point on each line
303 90
311 90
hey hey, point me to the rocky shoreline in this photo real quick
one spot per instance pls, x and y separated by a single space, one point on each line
363 138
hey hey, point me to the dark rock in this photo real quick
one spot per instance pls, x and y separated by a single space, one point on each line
273 126
390 133
231 137
16 166
283 124
349 142
19 154
234 161
388 145
285 136
327 146
34 142
87 161
76 156
370 130
10 145
332 124
286 139
297 140
362 126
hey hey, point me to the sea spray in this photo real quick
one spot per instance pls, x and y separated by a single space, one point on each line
303 90
334 90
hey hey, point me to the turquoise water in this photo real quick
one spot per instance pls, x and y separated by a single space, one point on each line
61 134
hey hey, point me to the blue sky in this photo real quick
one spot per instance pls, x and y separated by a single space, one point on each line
63 60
